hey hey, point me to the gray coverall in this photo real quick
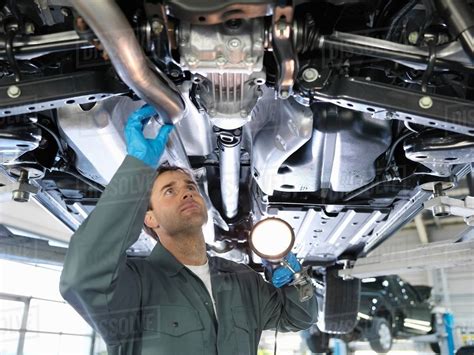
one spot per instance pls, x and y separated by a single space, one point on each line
155 305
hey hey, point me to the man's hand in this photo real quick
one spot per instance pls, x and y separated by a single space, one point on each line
147 150
283 275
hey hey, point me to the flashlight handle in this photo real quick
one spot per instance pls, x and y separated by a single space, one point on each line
287 264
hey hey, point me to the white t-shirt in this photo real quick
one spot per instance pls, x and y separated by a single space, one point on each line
204 273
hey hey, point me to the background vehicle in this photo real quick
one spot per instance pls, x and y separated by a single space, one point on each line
465 350
338 116
390 308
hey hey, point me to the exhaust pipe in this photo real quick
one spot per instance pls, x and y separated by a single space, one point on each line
116 35
460 19
229 146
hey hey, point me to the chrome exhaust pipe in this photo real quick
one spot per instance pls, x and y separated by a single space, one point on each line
460 20
229 148
116 35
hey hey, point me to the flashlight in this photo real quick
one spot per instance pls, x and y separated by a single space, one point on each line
272 239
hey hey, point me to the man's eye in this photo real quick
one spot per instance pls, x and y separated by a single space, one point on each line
192 187
168 191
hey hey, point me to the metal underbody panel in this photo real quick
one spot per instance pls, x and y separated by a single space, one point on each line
299 149
324 237
103 123
340 155
279 129
325 232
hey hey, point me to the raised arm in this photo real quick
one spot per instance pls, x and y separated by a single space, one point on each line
97 280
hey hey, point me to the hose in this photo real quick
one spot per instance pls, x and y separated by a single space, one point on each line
394 146
402 13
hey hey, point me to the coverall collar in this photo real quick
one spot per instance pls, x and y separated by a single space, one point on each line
162 258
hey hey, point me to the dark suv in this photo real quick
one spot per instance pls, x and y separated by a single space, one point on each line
390 308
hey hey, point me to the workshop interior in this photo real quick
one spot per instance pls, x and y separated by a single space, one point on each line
347 124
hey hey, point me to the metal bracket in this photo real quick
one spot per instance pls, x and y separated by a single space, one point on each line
390 102
19 191
282 33
56 91
444 205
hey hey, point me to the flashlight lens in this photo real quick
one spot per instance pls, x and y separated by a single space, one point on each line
272 238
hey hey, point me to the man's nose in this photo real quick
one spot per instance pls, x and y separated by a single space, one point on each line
187 194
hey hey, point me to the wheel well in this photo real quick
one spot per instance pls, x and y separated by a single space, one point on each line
385 313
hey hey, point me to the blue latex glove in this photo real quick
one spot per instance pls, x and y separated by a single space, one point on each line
283 275
148 151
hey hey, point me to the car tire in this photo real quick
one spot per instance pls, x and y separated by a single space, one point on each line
339 304
380 335
435 348
317 342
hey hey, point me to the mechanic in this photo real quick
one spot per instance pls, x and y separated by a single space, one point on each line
178 300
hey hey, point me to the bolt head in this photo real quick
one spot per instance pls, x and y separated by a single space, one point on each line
192 60
426 102
29 28
14 92
249 60
234 43
220 61
413 37
174 73
310 74
156 27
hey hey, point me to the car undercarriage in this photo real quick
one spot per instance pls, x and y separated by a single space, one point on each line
341 117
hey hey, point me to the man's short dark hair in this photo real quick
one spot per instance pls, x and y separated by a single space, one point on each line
163 168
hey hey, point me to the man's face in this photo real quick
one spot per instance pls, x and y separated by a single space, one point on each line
177 205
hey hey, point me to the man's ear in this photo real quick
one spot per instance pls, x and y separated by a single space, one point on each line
150 220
